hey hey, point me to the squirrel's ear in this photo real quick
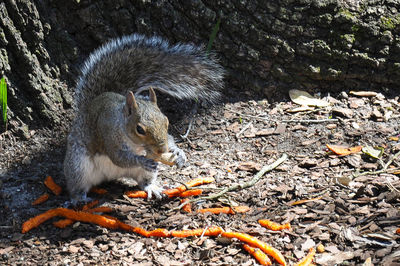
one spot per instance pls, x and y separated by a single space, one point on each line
153 97
130 103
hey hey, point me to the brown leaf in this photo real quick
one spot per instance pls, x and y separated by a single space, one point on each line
341 150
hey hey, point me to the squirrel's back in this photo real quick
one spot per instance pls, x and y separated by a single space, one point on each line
137 63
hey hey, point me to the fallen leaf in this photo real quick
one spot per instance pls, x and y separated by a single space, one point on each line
305 99
373 152
341 150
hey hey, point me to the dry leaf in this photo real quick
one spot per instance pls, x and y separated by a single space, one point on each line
305 99
373 152
341 150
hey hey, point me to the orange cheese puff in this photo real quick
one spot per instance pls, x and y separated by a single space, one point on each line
211 231
160 232
192 183
41 199
398 231
136 194
307 260
260 256
273 226
89 205
227 210
199 181
39 219
187 207
70 214
63 223
141 231
49 182
189 193
187 233
254 242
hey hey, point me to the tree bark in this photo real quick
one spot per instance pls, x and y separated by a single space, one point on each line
267 46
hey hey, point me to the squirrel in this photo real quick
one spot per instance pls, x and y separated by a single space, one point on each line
117 132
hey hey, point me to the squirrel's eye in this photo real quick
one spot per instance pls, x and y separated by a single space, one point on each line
140 130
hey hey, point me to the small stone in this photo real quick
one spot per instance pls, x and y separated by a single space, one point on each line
320 248
103 247
352 220
73 249
343 112
88 243
331 126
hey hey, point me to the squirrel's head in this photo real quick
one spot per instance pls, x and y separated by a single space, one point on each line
146 124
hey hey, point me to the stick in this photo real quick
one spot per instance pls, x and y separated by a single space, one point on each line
244 129
310 120
240 186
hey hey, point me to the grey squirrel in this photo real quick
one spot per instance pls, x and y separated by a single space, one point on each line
117 132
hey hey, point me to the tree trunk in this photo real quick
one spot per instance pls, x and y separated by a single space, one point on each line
267 46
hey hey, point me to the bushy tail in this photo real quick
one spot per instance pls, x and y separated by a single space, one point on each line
136 63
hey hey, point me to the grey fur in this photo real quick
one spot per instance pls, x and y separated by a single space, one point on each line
133 63
136 63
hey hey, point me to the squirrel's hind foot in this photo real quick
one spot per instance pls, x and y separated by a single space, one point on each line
77 200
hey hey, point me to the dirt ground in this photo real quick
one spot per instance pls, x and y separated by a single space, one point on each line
352 213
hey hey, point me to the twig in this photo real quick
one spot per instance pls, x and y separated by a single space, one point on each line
376 172
244 129
239 186
310 120
383 170
391 160
287 121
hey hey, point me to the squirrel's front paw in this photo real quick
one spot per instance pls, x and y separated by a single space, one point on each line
180 160
153 189
149 164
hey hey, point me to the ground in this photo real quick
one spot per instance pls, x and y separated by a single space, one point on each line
353 215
